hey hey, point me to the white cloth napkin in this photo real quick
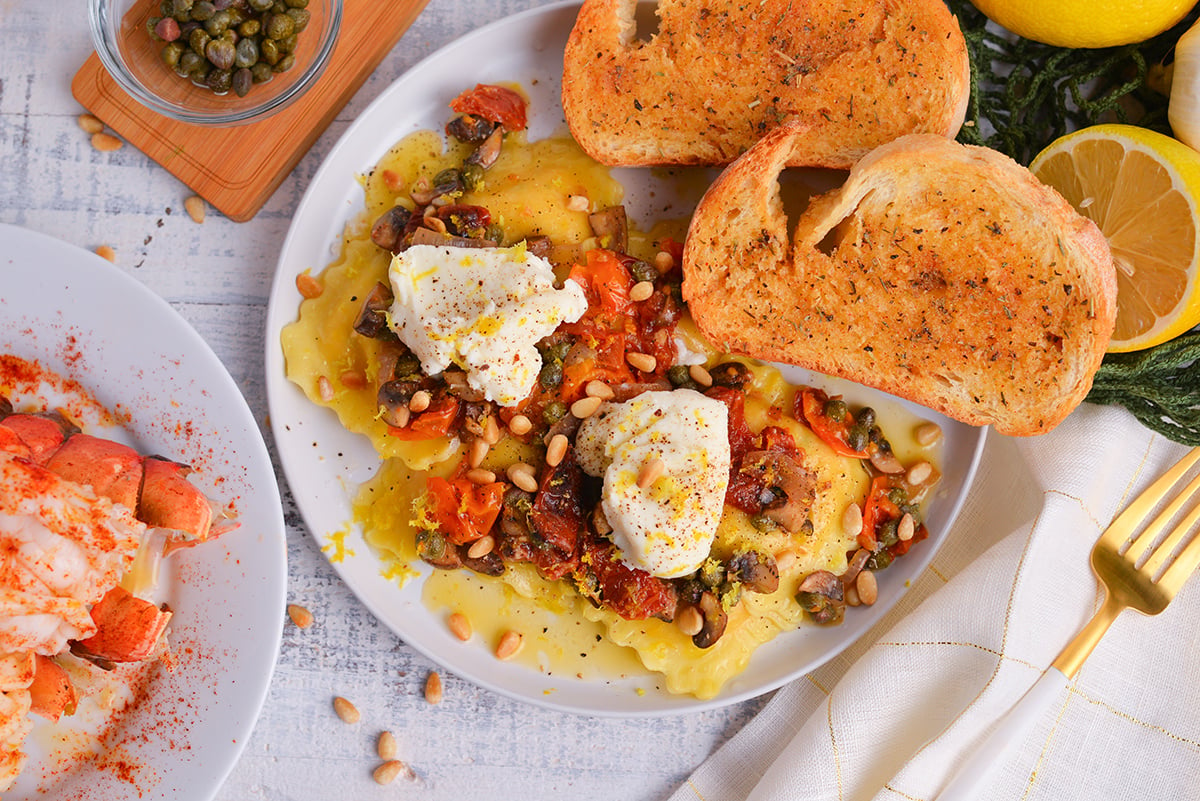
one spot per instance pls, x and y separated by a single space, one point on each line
892 717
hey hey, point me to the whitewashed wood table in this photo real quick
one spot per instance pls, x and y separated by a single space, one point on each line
218 275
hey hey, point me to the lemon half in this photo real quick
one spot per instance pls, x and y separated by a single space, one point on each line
1085 23
1141 189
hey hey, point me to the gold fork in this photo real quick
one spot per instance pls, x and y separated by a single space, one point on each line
1134 577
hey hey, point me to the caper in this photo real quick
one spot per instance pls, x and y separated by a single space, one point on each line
836 409
269 49
279 26
260 5
247 54
221 53
857 437
203 11
296 3
448 182
554 412
218 23
762 523
250 27
407 366
198 40
151 25
288 44
286 63
236 16
430 544
171 53
261 72
219 80
887 534
643 271
680 377
866 417
300 18
712 573
190 63
472 177
279 6
898 496
551 375
242 81
879 560
494 233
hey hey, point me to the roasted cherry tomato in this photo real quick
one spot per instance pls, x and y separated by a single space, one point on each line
436 421
812 406
463 511
493 103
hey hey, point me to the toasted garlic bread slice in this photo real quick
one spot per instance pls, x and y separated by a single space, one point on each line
718 74
939 272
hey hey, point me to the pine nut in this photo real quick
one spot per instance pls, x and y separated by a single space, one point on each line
600 521
106 143
393 180
689 620
663 262
491 430
642 290
90 123
578 203
919 473
477 475
784 560
386 746
927 434
301 617
353 379
598 389
652 471
433 688
436 223
479 452
399 417
699 373
852 520
194 206
867 586
906 528
642 361
850 595
482 547
324 389
510 644
557 449
388 771
520 425
345 710
460 626
585 407
522 476
308 286
106 252
419 401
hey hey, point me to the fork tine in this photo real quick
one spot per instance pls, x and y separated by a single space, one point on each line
1185 564
1151 533
1125 523
1163 552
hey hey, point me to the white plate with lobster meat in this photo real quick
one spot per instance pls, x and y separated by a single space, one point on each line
326 463
152 717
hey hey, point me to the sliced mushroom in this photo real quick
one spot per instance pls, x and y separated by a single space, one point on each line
731 374
490 564
469 128
855 565
424 236
388 230
788 488
611 227
540 246
756 571
715 620
372 315
884 460
393 397
489 150
822 595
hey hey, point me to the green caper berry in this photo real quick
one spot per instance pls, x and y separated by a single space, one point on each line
260 5
680 377
288 44
236 16
261 73
279 6
279 26
246 55
551 375
472 177
300 18
866 417
836 409
203 11
170 54
250 27
643 271
190 63
879 560
269 50
198 40
898 496
217 24
887 533
856 437
242 81
219 80
554 412
221 53
285 63
558 351
296 3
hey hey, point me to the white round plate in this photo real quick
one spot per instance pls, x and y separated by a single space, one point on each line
124 347
324 463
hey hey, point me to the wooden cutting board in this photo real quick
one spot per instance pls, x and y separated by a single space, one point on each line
236 169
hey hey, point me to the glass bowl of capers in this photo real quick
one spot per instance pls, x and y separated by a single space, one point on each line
215 62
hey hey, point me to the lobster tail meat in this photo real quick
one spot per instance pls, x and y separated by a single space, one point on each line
127 628
39 434
112 470
172 502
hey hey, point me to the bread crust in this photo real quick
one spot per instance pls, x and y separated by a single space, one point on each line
719 74
942 273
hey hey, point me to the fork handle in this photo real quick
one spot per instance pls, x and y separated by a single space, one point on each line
1011 729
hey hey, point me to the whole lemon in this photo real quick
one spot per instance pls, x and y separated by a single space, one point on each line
1085 23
